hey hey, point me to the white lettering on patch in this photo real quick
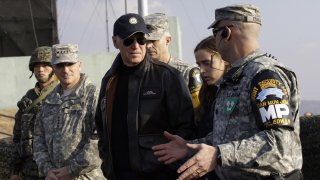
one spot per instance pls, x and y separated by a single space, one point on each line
274 112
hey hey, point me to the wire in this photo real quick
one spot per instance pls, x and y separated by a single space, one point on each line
87 24
33 26
113 12
192 25
67 19
205 10
97 12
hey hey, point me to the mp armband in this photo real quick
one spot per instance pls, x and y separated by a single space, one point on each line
270 100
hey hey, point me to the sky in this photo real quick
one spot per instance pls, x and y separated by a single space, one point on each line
289 29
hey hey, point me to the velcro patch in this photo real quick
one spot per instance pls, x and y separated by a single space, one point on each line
270 98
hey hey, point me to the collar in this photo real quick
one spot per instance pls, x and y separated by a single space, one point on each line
235 73
115 67
245 59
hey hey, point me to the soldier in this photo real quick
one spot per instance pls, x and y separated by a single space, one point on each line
65 140
137 102
22 157
256 114
158 41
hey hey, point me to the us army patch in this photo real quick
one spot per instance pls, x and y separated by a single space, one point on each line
231 104
270 97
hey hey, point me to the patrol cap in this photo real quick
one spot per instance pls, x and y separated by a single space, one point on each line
129 24
42 54
65 53
157 24
245 13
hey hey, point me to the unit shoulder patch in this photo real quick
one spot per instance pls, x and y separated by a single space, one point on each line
270 100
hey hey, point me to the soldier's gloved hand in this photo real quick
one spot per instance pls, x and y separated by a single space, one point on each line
24 103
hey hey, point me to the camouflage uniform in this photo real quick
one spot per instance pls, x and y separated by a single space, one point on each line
183 67
158 25
65 132
255 138
22 157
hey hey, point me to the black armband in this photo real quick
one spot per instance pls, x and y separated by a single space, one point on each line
270 100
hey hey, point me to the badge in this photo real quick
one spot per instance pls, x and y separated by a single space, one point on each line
231 104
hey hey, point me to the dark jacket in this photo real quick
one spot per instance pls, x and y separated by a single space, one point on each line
158 100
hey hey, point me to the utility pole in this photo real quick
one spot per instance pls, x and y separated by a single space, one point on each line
143 7
107 26
125 7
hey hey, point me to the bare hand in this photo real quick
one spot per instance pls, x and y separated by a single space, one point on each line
14 177
172 151
201 163
51 175
63 173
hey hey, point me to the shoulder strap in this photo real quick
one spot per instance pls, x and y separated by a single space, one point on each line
42 96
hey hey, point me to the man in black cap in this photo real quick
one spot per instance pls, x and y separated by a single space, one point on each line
256 114
137 102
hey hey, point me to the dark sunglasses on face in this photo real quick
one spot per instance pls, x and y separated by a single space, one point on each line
215 31
129 41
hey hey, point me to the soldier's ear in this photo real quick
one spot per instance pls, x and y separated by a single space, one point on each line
168 40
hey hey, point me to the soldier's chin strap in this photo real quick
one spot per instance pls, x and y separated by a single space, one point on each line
31 75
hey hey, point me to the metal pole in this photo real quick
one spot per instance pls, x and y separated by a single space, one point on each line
107 26
143 7
125 7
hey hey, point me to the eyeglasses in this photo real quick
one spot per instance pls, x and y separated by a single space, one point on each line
215 31
129 41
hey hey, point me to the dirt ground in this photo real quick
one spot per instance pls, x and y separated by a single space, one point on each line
6 122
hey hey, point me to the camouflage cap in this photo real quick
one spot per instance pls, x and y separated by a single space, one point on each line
157 24
246 13
65 53
41 54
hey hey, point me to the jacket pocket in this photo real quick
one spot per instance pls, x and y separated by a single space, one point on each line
26 148
27 123
149 162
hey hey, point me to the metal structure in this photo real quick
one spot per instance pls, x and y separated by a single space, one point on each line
25 25
143 7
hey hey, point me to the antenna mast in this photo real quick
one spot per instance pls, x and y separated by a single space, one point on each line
107 26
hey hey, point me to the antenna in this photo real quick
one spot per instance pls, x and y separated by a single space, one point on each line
107 26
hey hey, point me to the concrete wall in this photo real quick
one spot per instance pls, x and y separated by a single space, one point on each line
15 82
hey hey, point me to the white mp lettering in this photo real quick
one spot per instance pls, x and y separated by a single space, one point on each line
273 112
282 110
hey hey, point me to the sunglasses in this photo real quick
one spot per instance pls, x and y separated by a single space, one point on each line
129 41
215 31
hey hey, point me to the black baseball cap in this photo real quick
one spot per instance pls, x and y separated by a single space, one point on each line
129 24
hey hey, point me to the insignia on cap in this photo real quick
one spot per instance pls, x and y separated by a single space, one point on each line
133 20
63 51
44 54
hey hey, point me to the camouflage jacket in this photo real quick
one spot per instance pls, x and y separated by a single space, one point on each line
64 132
22 157
256 121
183 67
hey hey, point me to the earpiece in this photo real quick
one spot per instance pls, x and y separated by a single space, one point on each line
225 33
